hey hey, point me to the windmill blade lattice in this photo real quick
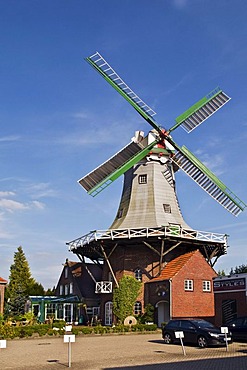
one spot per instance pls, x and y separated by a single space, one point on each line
109 171
201 111
109 74
206 179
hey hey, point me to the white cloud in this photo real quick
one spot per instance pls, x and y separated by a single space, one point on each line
38 204
9 138
6 193
10 205
40 190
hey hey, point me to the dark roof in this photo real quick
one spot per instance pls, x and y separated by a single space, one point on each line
82 278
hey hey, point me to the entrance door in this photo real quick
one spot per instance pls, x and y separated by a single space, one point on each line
163 312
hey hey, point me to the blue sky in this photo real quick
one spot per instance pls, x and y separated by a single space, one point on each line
59 119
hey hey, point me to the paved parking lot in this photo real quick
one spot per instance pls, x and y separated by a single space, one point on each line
122 352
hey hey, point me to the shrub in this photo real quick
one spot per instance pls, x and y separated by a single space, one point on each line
59 324
86 330
99 329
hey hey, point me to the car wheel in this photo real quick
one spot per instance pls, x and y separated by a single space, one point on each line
202 342
167 338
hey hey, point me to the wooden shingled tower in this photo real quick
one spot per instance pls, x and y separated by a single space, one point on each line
149 230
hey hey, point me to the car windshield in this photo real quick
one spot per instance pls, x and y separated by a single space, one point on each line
203 324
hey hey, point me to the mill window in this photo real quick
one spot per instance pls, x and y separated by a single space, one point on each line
120 213
167 208
143 179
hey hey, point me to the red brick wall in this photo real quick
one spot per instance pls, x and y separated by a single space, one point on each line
2 288
194 303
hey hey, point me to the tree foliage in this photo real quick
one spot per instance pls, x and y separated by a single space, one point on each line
239 269
124 297
21 284
148 315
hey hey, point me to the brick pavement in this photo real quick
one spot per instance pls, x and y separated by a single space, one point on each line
122 352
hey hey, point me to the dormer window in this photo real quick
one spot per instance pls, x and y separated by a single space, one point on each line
143 179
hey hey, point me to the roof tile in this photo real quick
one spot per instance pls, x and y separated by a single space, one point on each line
173 267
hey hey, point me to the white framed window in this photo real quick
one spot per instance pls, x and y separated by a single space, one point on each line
61 290
50 310
108 313
71 288
137 308
188 285
66 289
66 272
138 274
143 179
206 286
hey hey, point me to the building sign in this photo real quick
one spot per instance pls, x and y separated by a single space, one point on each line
229 284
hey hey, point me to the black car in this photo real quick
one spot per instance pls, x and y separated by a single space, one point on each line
238 327
199 332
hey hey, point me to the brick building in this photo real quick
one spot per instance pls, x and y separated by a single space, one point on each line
183 289
3 283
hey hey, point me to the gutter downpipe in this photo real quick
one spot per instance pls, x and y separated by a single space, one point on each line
170 288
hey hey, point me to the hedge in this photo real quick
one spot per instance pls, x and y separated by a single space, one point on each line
10 332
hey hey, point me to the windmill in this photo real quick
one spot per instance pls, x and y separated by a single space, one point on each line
149 230
160 141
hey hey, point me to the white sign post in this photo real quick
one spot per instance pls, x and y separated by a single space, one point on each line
69 338
180 335
3 343
224 330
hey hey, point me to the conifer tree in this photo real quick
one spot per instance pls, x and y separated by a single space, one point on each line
20 283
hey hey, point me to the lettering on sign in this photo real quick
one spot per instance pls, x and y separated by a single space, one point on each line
230 284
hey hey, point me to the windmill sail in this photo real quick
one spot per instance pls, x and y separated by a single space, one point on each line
202 110
100 64
207 180
109 171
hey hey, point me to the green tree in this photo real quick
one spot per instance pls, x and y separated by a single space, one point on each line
124 297
36 289
148 315
20 283
50 291
221 273
239 269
